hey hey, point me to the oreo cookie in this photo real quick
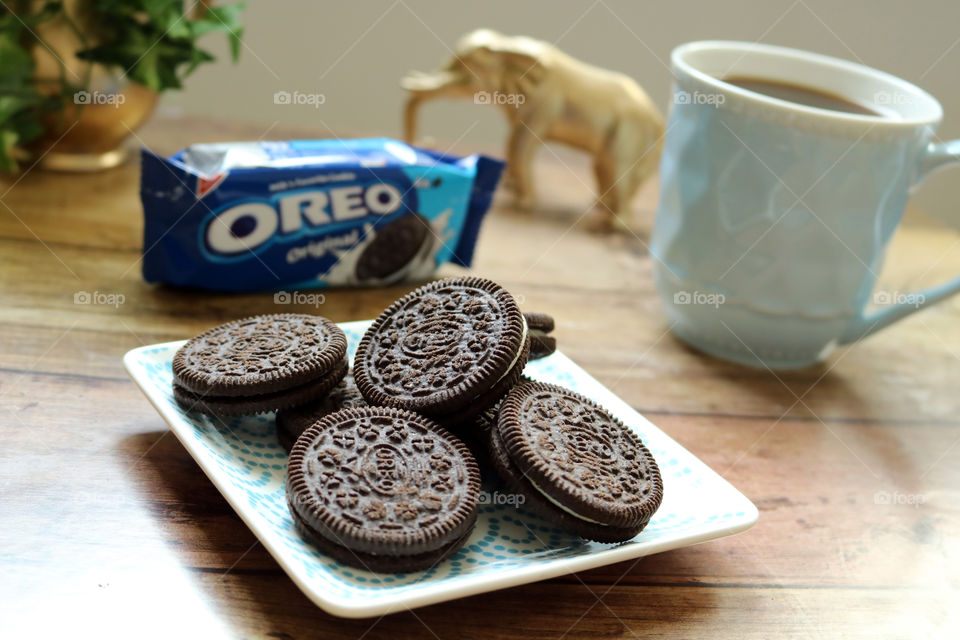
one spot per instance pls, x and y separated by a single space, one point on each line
577 465
448 350
397 246
258 364
382 489
539 325
291 423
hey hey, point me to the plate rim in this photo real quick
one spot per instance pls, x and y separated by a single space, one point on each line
387 603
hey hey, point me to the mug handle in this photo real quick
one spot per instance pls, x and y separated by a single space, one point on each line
937 155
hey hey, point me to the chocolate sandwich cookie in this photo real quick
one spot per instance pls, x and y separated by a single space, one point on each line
259 364
383 489
448 350
291 423
577 465
396 245
539 325
475 433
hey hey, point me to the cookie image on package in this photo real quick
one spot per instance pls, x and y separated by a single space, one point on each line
577 465
258 364
448 350
291 423
404 249
395 246
382 489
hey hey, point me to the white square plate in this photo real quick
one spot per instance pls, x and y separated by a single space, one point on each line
509 546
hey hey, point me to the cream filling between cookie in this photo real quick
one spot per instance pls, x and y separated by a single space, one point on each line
562 507
513 363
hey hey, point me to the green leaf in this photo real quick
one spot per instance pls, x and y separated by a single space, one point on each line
10 104
21 105
47 11
161 50
8 141
229 17
151 42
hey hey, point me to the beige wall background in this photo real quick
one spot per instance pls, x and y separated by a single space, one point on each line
353 53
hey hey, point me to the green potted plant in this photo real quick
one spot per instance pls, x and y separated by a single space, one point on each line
77 77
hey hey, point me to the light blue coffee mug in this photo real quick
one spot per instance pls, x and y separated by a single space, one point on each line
774 217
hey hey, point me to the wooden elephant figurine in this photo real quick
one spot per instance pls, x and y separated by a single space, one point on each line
549 96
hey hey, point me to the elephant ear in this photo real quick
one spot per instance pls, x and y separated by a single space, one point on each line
524 63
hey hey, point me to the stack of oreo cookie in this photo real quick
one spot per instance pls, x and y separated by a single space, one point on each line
259 364
449 350
576 465
383 470
383 489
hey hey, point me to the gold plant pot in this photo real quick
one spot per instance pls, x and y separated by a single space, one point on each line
95 136
92 132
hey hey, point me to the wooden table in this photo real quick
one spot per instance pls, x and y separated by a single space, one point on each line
108 527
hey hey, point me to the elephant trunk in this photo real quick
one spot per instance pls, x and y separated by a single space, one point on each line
410 114
427 86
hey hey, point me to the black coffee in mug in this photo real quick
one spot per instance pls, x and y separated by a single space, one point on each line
800 94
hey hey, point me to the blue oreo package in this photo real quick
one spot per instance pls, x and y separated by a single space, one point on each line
266 216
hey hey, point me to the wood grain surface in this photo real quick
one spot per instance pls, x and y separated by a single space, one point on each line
109 529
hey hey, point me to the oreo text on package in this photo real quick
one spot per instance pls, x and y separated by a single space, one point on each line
254 216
